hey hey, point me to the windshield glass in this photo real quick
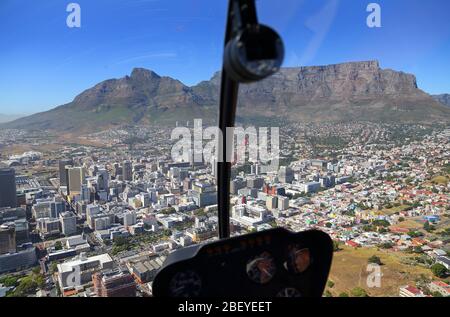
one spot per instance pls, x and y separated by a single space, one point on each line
108 112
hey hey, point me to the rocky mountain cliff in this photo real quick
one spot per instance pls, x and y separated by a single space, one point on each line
360 91
444 99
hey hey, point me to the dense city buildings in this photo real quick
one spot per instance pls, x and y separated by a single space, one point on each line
99 228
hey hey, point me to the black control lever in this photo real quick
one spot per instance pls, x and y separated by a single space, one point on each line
252 52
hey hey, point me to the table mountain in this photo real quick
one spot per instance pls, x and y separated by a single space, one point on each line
444 99
357 91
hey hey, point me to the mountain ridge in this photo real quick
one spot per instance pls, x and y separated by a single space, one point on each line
339 92
443 98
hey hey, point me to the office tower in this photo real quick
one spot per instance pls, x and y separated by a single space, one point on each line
76 179
129 218
286 174
68 223
102 180
63 172
22 231
236 185
85 193
8 195
7 238
255 182
204 194
117 171
127 171
283 203
48 227
272 202
114 283
47 208
145 199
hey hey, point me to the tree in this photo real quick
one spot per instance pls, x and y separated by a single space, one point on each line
375 260
336 246
328 294
386 245
428 227
54 267
359 292
330 284
343 294
58 245
439 270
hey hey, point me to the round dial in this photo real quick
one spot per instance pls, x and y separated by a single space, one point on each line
185 284
262 268
299 260
289 292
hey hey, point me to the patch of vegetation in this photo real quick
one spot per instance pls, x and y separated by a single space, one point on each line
439 270
359 292
28 285
375 260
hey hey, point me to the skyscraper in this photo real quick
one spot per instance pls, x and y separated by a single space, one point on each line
7 238
127 171
76 179
68 223
285 174
62 171
8 195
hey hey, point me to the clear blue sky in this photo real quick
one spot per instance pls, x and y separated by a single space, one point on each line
43 63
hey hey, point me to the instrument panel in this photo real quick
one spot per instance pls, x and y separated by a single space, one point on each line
268 264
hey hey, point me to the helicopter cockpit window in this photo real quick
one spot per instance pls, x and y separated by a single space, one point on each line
110 158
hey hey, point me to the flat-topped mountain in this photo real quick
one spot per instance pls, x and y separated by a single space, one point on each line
360 91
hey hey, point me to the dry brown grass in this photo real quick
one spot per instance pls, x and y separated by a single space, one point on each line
349 271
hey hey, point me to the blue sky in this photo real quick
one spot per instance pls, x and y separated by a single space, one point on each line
43 63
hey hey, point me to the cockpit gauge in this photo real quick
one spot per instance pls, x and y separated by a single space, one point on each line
185 284
299 260
262 268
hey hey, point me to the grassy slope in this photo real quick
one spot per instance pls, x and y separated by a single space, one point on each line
349 271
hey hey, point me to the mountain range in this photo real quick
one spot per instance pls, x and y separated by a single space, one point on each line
10 117
355 91
444 99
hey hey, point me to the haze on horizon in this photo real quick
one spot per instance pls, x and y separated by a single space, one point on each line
46 64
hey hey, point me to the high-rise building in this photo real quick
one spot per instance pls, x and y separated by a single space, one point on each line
114 283
283 203
8 195
286 175
129 219
102 180
76 178
127 171
63 171
68 223
7 238
272 202
22 231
